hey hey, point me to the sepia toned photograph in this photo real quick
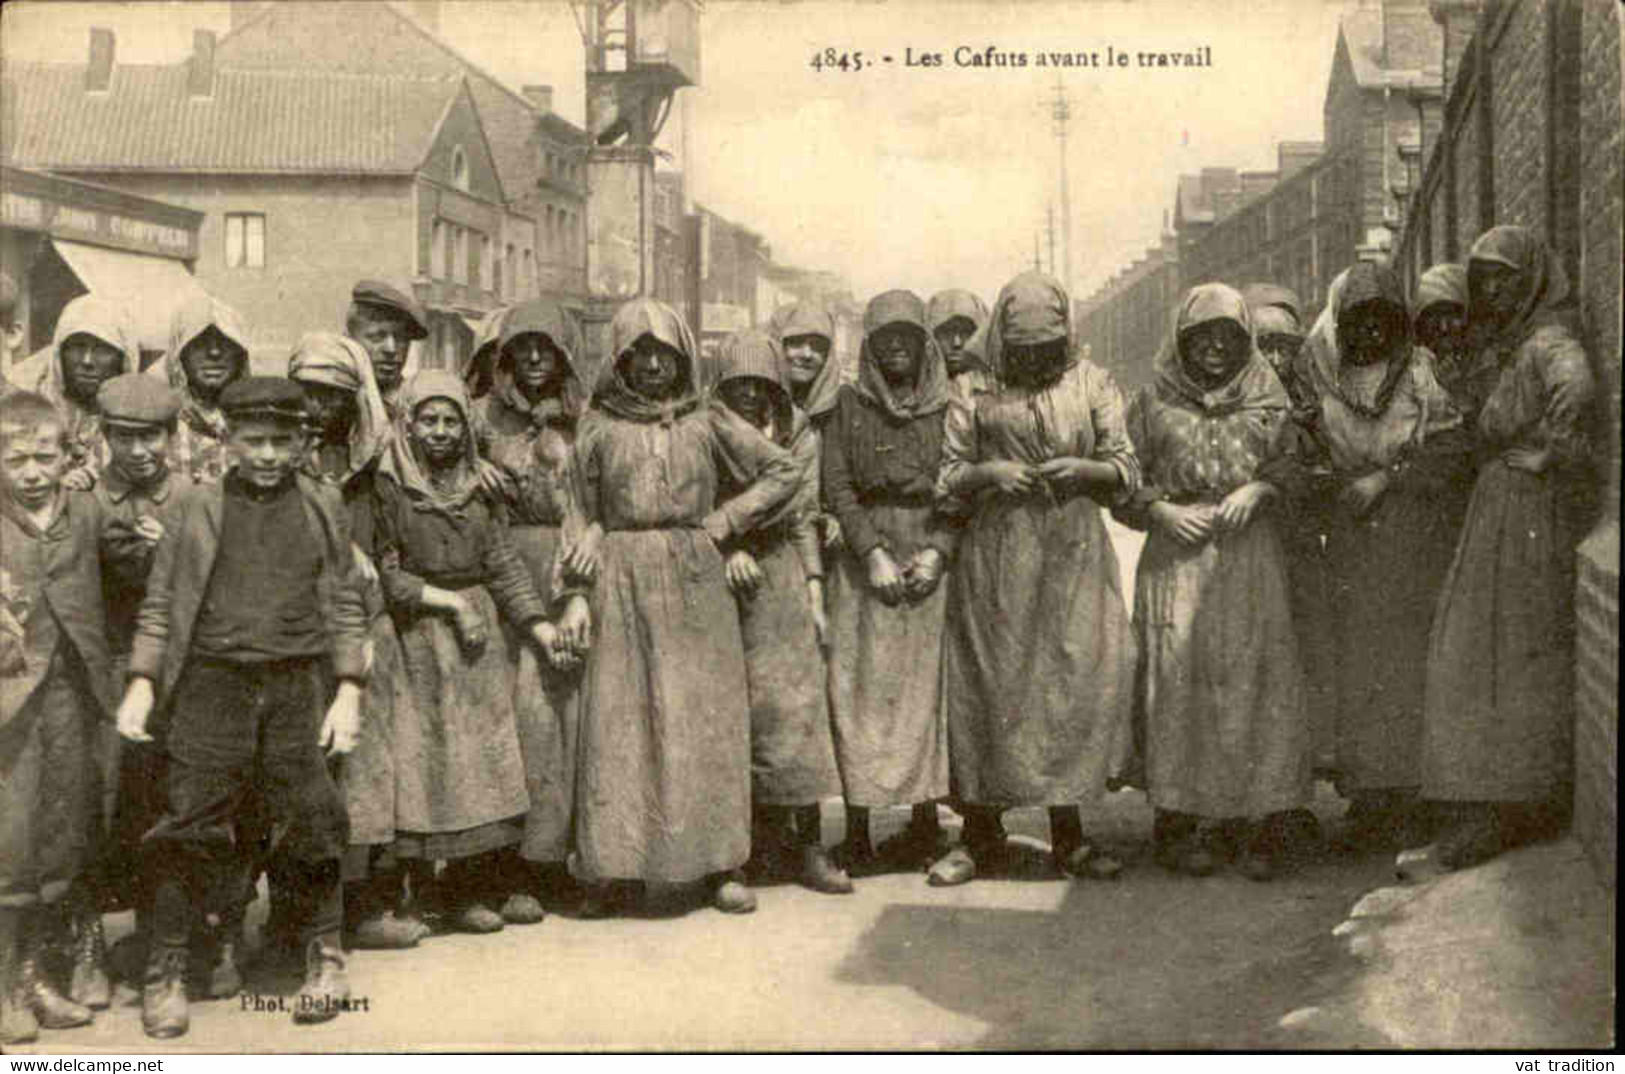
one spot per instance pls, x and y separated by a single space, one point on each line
809 526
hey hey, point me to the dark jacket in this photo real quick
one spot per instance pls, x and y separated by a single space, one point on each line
185 558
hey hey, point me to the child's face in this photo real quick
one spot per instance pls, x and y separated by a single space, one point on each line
952 336
437 425
139 452
267 450
32 462
749 397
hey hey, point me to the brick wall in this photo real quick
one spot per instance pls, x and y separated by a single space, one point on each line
1553 75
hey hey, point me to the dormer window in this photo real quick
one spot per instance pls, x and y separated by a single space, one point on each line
459 168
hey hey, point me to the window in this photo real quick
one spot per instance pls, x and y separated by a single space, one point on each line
485 262
529 278
459 168
437 251
513 270
245 240
459 269
547 230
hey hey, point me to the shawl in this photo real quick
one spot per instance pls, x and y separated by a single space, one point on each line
930 394
634 320
340 362
1261 296
1254 384
91 315
811 319
1544 294
1446 282
192 319
401 462
490 369
754 353
946 305
1361 282
1032 308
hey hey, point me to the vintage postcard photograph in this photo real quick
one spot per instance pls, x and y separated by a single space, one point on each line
809 526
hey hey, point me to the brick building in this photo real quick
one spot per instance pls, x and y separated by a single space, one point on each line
1531 136
1125 322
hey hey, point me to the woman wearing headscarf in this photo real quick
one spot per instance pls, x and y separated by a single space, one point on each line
776 573
806 333
954 316
1219 694
882 447
1496 739
208 349
1393 443
664 763
93 343
1465 371
528 400
350 432
1039 649
450 573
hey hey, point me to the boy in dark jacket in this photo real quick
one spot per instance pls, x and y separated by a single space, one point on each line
253 608
55 686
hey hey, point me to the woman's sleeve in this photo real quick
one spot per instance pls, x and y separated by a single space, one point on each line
840 496
743 449
960 452
1112 441
804 530
506 576
1570 391
402 588
1134 509
1442 453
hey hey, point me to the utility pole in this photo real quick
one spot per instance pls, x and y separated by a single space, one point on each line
1038 265
1061 112
1049 215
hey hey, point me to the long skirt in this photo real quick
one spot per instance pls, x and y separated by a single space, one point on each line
367 773
459 772
1499 712
547 703
886 677
1040 656
1313 620
792 756
1385 571
663 777
1220 691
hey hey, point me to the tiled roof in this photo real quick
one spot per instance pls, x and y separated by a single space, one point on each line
1414 48
254 122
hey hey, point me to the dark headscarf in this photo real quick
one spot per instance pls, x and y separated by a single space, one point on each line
1364 281
1544 292
634 320
1445 282
491 370
811 319
754 353
1032 308
1254 385
402 462
930 394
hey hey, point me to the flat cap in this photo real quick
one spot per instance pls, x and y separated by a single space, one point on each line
378 293
263 397
137 399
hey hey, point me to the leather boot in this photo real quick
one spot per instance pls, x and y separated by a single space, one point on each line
821 874
89 983
51 1008
369 911
17 1022
222 976
164 1012
326 990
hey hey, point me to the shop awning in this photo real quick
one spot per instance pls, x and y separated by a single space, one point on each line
151 287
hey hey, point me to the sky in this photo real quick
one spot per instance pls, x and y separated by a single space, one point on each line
896 176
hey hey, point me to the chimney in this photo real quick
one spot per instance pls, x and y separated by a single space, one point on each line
427 14
540 97
200 72
99 75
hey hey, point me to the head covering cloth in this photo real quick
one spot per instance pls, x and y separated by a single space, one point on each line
491 369
42 372
1031 309
755 353
807 318
192 319
1252 386
634 320
1362 282
340 362
957 302
402 460
1445 282
929 394
1543 287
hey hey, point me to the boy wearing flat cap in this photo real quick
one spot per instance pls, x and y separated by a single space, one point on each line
385 321
253 609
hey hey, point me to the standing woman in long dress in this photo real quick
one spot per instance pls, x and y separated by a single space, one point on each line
881 451
1040 651
663 777
528 400
1394 444
1496 740
1220 692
